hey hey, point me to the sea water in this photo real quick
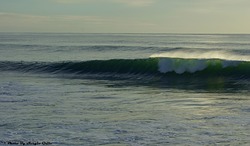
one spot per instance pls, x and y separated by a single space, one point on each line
124 89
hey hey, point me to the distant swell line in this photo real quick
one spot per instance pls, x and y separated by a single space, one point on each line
149 66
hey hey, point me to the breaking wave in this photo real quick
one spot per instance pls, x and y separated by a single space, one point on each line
162 66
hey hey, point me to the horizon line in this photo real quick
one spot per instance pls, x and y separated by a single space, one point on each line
181 33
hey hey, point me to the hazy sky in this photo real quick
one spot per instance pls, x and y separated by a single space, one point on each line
126 16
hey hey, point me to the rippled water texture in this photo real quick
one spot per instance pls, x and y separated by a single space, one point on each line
68 111
69 108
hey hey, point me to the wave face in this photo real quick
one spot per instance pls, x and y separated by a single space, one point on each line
150 66
119 66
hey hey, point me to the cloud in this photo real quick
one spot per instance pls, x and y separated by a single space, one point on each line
64 18
71 1
13 22
37 23
137 3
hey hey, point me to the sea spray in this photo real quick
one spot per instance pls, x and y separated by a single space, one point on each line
188 53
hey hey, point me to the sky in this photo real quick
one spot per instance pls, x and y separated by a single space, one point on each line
125 16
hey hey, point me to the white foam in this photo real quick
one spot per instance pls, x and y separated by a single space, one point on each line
191 66
195 60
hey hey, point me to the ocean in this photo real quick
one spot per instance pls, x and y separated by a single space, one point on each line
124 89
